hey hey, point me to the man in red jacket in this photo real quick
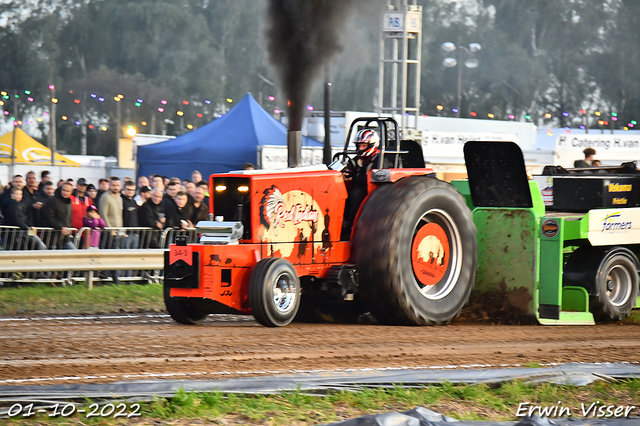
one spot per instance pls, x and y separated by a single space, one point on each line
79 203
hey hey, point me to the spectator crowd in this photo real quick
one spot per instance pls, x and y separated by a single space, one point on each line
156 202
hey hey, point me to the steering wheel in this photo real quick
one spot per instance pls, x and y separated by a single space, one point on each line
346 160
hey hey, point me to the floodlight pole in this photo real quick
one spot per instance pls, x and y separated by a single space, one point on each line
459 105
52 126
451 62
13 137
118 117
83 124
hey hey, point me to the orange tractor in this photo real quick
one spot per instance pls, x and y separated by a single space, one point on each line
280 245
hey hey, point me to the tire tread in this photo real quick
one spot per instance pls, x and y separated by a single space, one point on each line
375 243
256 294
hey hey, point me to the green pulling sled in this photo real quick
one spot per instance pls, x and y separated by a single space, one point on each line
568 259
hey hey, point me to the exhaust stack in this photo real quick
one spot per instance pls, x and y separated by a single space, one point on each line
294 147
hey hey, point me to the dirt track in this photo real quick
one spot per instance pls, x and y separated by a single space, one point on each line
120 347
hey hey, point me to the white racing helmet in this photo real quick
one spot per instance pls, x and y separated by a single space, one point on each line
371 138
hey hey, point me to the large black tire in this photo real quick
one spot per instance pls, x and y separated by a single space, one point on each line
181 310
274 292
616 285
397 282
610 276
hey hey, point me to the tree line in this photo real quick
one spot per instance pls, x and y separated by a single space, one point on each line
197 57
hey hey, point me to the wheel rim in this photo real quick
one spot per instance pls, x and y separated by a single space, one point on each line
284 293
436 254
618 285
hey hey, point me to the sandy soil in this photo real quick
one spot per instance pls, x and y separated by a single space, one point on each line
136 346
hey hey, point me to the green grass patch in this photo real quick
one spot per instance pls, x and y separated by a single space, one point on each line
50 299
463 402
533 365
47 299
634 318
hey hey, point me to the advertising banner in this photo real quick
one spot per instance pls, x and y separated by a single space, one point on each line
610 149
273 157
451 144
614 226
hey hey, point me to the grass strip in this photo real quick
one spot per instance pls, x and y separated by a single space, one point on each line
463 402
48 299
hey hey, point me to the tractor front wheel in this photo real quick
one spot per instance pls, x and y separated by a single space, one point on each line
274 292
415 250
181 310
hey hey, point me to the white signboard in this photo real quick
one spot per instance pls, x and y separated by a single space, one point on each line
451 144
414 22
272 157
610 149
395 22
614 226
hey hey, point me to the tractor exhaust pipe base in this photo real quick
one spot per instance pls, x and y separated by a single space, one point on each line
294 148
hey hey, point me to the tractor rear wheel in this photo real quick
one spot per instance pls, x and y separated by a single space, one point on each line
616 285
181 310
415 250
274 292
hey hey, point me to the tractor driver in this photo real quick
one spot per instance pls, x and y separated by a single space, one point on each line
367 142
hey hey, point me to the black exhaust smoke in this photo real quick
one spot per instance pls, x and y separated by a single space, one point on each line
302 36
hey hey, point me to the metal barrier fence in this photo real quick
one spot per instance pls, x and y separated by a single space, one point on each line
80 261
16 240
130 238
169 235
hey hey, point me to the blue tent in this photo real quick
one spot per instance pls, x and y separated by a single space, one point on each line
218 147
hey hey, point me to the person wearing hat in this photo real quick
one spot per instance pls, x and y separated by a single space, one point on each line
96 223
79 203
92 192
143 196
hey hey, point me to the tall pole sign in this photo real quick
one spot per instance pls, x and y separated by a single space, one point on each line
400 58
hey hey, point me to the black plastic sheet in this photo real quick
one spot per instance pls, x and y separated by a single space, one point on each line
423 417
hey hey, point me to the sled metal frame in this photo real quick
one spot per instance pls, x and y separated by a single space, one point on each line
531 259
514 250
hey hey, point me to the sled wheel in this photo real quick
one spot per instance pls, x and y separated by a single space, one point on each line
274 292
616 285
180 309
415 249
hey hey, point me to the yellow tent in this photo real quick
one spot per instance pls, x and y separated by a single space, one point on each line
29 151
